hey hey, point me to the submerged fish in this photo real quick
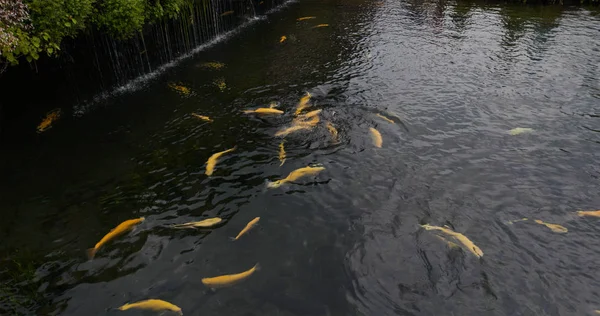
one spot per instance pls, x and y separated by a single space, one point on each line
448 242
248 227
310 123
554 227
229 279
332 130
295 175
122 228
589 213
201 224
212 161
517 220
303 103
385 118
153 305
320 25
376 137
520 130
264 111
180 88
50 118
202 117
282 39
308 115
220 83
273 105
291 129
304 18
213 65
227 13
459 237
281 154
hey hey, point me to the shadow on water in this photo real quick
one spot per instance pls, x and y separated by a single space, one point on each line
452 78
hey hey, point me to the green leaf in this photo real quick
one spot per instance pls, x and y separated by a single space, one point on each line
45 36
50 50
29 59
68 24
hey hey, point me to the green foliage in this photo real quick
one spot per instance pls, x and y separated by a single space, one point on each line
121 18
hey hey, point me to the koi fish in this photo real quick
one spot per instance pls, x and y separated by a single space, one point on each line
308 115
459 237
517 220
291 129
213 65
520 130
226 13
282 39
229 279
220 83
122 228
153 305
310 123
553 227
304 18
281 154
248 227
212 161
201 224
180 88
295 175
264 111
385 118
332 130
50 118
320 25
303 103
273 105
202 117
589 213
376 137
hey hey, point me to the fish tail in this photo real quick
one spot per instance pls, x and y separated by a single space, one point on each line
282 162
233 238
91 253
248 111
257 267
274 184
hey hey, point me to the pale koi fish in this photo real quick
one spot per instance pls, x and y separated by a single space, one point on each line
320 25
50 118
153 305
282 39
376 137
212 161
520 130
291 129
248 227
229 279
273 105
264 111
122 228
295 175
201 224
303 103
226 13
589 213
304 18
553 227
466 242
517 220
332 130
281 154
202 117
386 118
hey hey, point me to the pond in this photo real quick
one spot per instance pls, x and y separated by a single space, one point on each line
488 114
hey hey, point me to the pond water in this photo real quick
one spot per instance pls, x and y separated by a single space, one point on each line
454 78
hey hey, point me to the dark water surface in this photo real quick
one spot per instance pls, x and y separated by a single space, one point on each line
455 78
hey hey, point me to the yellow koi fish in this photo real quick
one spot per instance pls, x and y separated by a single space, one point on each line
310 123
281 154
320 25
201 224
248 227
289 130
212 161
520 130
122 228
202 117
264 111
50 118
332 130
153 305
295 175
459 237
385 118
589 213
282 39
180 88
553 227
303 103
226 13
376 137
229 279
308 115
304 18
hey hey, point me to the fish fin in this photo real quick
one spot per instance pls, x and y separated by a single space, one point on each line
257 267
232 238
282 162
91 253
